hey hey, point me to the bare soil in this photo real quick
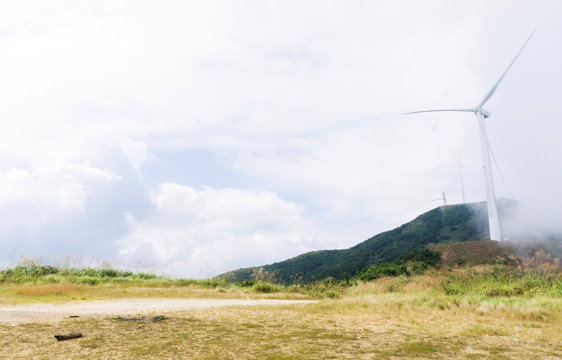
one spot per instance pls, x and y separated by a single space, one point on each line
365 326
50 313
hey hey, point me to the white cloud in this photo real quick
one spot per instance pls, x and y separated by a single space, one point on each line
52 185
191 231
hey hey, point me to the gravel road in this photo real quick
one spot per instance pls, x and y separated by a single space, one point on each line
46 313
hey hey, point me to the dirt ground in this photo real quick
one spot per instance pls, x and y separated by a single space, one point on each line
50 313
385 326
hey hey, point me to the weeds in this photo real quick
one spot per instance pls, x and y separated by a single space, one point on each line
504 281
47 274
44 281
266 288
33 282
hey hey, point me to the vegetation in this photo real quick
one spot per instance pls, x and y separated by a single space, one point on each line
41 274
413 263
535 273
45 283
455 223
477 252
429 314
505 281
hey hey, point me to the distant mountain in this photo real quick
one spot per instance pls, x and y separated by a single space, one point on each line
445 224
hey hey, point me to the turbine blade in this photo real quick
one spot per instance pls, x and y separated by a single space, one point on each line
433 200
493 89
442 166
439 110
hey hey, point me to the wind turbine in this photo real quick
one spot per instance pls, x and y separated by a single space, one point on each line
481 114
459 164
443 197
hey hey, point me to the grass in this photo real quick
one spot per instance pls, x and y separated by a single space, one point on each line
389 318
61 293
42 283
505 281
362 326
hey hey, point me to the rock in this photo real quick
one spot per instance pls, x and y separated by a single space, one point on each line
72 335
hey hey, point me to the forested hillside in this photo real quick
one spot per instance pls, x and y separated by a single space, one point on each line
454 223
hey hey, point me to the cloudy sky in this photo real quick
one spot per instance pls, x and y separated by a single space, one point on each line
196 137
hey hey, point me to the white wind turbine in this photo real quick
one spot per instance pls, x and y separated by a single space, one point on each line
459 164
481 114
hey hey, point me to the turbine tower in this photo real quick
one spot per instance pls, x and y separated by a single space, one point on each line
481 114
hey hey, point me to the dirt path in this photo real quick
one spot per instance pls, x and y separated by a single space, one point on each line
45 313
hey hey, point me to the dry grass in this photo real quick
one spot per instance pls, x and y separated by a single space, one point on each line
391 318
61 293
363 326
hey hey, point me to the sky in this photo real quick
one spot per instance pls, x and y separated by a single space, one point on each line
195 137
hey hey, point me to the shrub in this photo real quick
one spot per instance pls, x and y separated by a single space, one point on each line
246 283
413 263
108 273
145 276
45 274
264 287
214 282
34 270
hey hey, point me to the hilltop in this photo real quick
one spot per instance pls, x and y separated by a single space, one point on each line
445 224
442 225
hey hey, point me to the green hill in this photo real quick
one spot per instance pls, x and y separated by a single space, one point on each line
445 224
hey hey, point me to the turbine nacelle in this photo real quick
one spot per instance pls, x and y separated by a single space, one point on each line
482 111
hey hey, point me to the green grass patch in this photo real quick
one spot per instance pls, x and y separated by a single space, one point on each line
413 263
504 281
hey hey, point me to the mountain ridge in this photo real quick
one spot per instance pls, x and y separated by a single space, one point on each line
444 224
